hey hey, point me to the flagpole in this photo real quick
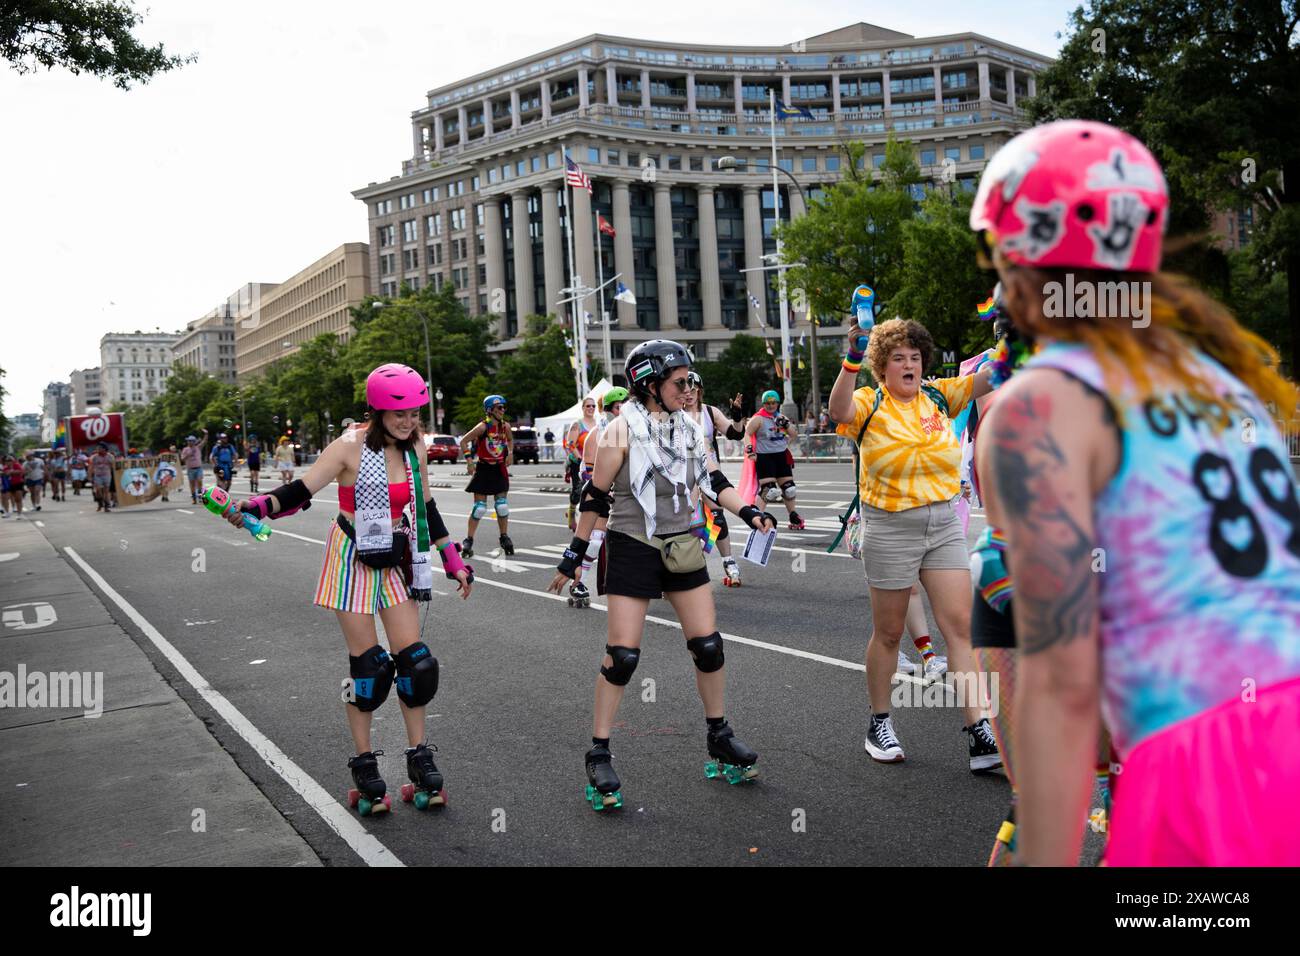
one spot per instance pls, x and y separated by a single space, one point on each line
580 364
600 300
776 214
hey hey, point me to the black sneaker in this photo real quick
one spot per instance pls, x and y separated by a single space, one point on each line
984 754
882 744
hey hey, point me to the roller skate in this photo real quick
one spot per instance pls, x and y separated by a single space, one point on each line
796 523
507 545
425 788
370 796
467 548
579 596
730 573
731 759
604 789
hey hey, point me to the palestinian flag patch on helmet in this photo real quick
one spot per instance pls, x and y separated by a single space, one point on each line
642 371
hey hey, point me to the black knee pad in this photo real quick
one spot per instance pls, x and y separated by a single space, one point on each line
417 675
372 678
707 652
625 661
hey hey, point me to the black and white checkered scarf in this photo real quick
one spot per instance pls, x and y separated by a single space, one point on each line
664 447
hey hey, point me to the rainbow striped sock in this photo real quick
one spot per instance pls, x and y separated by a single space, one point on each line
923 645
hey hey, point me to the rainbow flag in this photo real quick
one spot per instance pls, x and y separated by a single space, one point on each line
705 526
60 436
987 308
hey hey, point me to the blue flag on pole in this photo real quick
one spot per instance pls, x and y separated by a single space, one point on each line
782 109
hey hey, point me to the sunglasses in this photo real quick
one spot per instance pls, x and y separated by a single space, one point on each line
681 384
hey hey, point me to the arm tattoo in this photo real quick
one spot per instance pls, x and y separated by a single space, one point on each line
1052 568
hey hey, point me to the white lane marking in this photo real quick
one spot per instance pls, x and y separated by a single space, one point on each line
9 556
184 512
337 817
40 524
277 532
780 649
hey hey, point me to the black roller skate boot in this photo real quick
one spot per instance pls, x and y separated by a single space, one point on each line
731 758
507 545
604 789
425 788
371 793
467 548
579 596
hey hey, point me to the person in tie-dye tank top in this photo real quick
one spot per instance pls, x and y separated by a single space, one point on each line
1152 521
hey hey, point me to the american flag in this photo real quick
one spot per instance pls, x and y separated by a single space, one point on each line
575 176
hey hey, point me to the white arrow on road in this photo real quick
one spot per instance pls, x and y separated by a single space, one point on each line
9 556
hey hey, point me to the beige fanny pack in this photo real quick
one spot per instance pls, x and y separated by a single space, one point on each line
681 553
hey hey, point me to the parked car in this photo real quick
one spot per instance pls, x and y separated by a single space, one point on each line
442 448
525 444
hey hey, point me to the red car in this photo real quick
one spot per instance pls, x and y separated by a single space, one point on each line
442 448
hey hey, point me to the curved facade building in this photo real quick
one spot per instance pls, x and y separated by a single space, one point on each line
481 202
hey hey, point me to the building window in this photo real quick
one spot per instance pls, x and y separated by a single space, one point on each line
832 164
953 153
433 225
473 183
410 231
927 157
552 160
877 160
457 220
612 157
809 164
675 163
977 152
478 214
535 164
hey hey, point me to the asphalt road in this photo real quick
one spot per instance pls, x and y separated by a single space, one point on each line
512 718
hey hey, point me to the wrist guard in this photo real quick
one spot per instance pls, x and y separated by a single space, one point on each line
735 432
437 527
292 498
593 499
452 563
573 555
749 513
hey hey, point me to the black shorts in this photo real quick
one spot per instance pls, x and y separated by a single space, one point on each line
489 479
991 628
637 570
773 464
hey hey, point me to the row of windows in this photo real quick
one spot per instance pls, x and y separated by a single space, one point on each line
286 298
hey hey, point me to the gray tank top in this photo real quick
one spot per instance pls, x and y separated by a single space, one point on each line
626 515
769 439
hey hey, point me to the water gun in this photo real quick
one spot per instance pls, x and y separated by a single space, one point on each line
864 309
220 503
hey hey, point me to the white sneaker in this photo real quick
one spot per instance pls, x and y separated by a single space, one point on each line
935 668
904 665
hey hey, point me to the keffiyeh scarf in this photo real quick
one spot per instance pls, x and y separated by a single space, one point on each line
374 522
664 448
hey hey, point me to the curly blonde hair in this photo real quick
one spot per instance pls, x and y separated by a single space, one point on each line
897 334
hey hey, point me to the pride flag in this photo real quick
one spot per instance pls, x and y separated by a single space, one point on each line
987 308
60 436
705 526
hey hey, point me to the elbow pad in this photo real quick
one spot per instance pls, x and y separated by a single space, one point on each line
437 527
594 499
719 484
292 498
735 432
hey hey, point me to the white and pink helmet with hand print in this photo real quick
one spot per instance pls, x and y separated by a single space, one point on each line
1073 194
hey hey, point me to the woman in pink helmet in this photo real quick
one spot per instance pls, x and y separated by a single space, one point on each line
1152 521
376 559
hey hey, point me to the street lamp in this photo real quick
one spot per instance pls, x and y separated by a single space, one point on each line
428 364
731 162
437 411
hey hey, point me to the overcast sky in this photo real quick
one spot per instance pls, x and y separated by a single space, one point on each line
145 209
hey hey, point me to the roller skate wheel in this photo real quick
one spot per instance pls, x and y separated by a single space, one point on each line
570 602
353 797
422 800
407 791
382 806
438 798
711 769
364 807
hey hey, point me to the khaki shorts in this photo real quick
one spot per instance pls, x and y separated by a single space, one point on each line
896 545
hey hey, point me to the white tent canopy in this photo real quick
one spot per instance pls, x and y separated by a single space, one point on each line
560 421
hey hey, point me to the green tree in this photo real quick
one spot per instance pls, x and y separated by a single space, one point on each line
91 36
854 234
830 349
1210 86
187 394
744 367
316 380
468 408
6 427
941 280
538 377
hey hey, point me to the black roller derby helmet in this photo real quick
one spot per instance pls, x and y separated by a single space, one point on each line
652 362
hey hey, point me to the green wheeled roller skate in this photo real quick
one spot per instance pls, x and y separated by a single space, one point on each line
426 787
604 789
370 796
732 760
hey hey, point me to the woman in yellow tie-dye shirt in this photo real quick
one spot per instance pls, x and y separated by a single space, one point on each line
910 461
